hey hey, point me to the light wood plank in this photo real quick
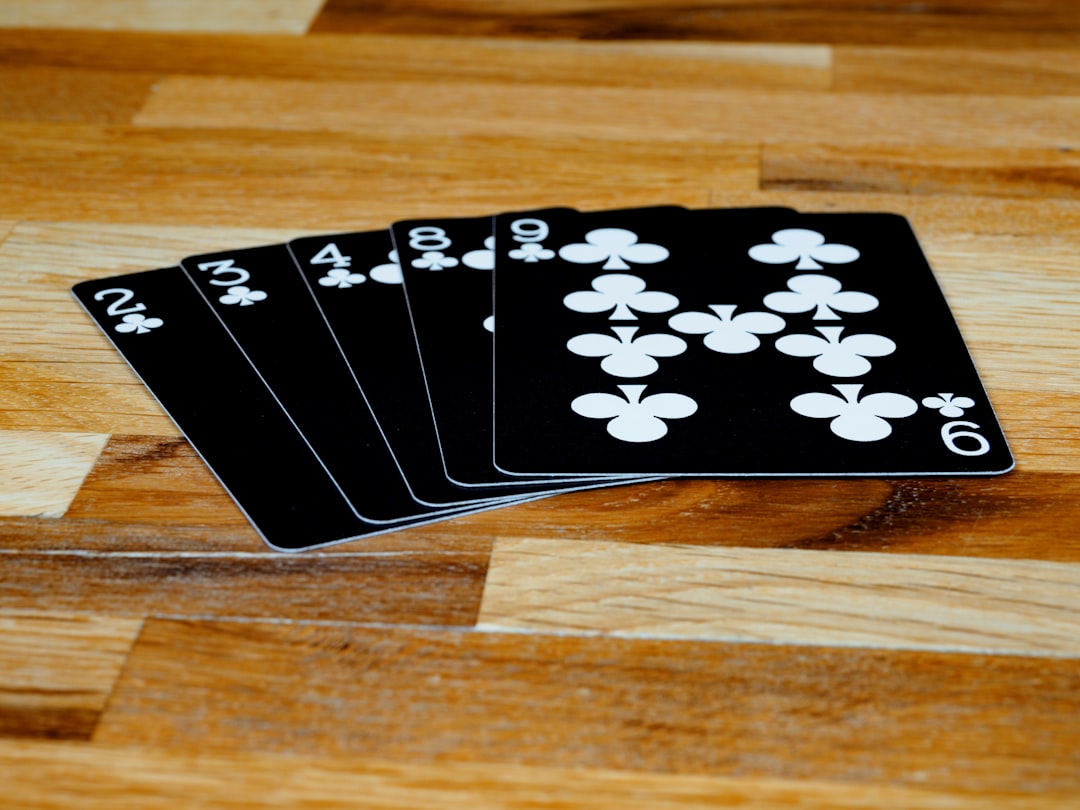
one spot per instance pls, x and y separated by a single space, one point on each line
57 671
463 108
948 69
60 775
783 596
1007 723
1013 299
411 57
60 373
210 16
58 94
296 180
1040 430
1053 222
1041 173
964 23
42 471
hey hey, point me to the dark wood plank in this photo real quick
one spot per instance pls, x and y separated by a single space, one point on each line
155 494
963 23
439 588
1041 173
1023 515
159 480
738 710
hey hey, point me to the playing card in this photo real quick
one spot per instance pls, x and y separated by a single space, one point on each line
262 301
736 342
356 282
446 266
179 349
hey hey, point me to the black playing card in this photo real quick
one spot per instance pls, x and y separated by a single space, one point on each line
179 349
356 282
446 265
737 342
262 301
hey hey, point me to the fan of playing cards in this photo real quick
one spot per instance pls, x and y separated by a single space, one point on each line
346 385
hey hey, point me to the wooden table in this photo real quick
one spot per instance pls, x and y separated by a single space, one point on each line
775 643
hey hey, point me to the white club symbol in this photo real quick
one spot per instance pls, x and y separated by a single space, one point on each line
243 296
621 293
807 246
949 405
531 252
138 324
723 332
481 259
625 356
858 420
341 278
389 273
434 260
615 247
822 294
835 356
635 418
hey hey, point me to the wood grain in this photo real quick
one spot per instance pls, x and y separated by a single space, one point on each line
1042 173
57 671
302 181
43 471
59 775
959 23
951 70
1007 722
410 57
786 597
60 373
437 587
154 495
56 94
987 518
356 676
609 112
1036 284
292 16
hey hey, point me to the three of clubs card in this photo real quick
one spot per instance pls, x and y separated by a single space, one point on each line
350 384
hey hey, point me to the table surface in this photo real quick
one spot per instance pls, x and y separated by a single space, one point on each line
857 643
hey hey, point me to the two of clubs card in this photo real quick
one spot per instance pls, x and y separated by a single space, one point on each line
350 384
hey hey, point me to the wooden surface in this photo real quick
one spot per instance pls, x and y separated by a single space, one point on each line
827 643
